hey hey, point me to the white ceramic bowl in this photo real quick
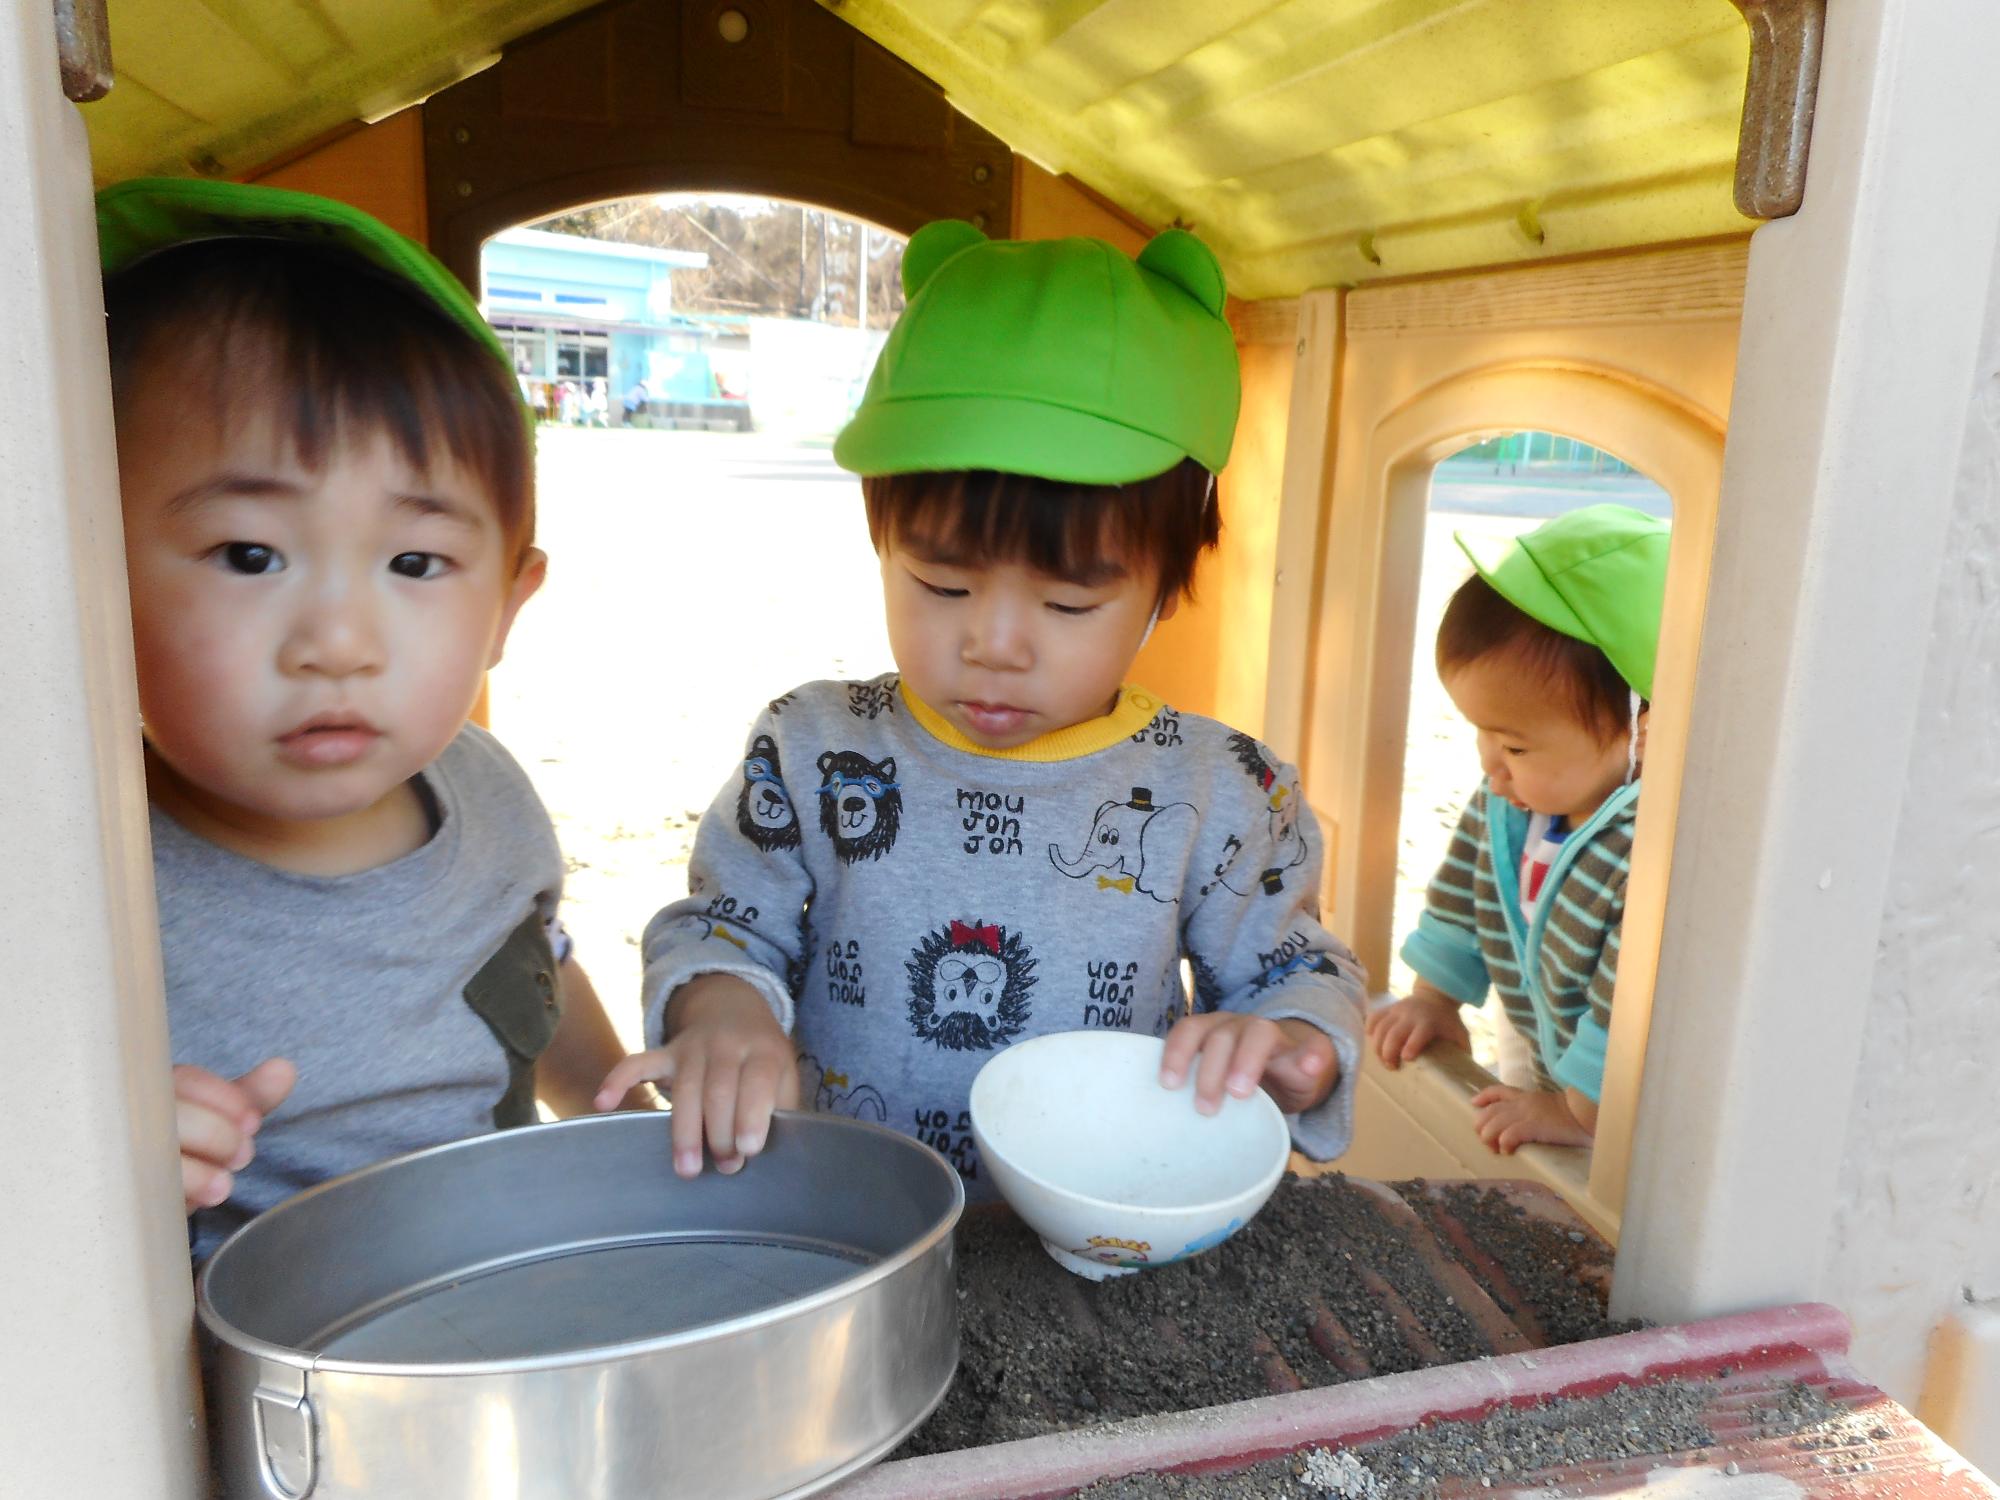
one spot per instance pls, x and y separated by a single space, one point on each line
1112 1170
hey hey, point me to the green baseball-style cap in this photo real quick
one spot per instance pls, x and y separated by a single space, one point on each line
141 217
1061 359
1598 574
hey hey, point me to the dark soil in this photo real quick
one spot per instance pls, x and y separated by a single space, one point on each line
1321 1287
1508 1447
1561 1276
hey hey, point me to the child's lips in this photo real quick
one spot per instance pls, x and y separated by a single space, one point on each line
328 740
994 718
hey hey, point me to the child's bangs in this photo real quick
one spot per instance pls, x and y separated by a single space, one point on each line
328 353
1084 534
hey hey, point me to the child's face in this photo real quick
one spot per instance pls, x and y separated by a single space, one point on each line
1535 751
1005 653
307 640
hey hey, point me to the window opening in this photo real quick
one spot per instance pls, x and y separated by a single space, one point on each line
1492 490
690 358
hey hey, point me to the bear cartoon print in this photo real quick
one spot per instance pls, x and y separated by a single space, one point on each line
860 804
1134 846
764 811
969 984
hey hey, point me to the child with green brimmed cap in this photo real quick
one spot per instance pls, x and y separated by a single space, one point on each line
1005 837
1548 651
328 492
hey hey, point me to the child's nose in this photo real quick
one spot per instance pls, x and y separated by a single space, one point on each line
337 635
998 639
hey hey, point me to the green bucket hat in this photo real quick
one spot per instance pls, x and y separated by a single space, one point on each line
138 218
1598 574
1062 359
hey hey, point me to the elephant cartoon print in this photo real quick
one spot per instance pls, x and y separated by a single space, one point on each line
1134 846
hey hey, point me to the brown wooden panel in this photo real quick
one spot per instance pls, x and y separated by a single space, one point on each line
649 96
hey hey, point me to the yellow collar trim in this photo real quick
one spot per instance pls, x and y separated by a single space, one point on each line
1133 711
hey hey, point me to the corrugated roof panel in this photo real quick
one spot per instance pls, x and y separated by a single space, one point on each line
234 83
1318 142
1314 142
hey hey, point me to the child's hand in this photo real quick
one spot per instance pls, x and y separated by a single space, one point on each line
217 1120
1401 1032
1510 1118
727 1064
1292 1059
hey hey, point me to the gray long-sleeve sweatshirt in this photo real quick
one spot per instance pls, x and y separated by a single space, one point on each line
909 904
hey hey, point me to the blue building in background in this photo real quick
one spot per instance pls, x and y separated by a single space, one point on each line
587 322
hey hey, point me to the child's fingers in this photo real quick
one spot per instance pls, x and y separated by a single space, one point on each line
203 1185
211 1091
656 1066
268 1084
756 1097
1211 1074
1183 1042
217 1139
1493 1093
720 1084
1420 1036
686 1127
1257 1042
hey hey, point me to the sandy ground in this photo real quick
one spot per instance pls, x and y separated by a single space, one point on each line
694 576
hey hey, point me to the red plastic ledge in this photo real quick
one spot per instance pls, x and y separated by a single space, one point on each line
1802 1341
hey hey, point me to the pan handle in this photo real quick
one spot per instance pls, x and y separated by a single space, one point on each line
287 1451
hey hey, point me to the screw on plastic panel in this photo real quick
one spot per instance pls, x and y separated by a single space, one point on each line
83 49
282 1417
1771 150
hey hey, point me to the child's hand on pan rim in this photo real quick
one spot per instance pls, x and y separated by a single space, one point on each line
726 1065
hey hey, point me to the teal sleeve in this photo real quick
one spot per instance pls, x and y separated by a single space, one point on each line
1581 1067
1448 956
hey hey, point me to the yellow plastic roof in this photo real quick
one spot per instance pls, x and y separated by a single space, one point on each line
221 86
1320 142
1312 142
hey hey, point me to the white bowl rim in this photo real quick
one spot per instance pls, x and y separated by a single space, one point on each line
1266 1106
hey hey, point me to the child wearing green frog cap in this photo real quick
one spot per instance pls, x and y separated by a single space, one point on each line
1005 837
1548 651
328 497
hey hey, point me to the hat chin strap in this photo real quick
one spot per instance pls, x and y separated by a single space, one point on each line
1631 740
1151 625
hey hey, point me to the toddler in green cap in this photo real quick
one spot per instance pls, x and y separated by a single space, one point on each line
1004 837
1548 650
328 489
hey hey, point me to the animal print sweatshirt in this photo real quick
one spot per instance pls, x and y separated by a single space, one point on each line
910 903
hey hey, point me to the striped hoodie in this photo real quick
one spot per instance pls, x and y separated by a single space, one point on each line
1554 975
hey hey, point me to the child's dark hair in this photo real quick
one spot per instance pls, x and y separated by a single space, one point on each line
1064 530
1479 621
333 347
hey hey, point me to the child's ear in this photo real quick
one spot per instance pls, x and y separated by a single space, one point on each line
933 245
1170 606
1639 750
534 568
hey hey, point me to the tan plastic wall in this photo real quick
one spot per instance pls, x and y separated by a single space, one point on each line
96 1388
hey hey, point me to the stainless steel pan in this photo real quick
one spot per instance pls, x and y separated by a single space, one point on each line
552 1314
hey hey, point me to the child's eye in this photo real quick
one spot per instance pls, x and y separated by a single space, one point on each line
1514 749
418 564
1072 609
250 557
945 593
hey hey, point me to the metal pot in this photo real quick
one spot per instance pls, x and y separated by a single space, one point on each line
551 1312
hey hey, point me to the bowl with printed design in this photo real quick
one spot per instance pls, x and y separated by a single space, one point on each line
1114 1171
